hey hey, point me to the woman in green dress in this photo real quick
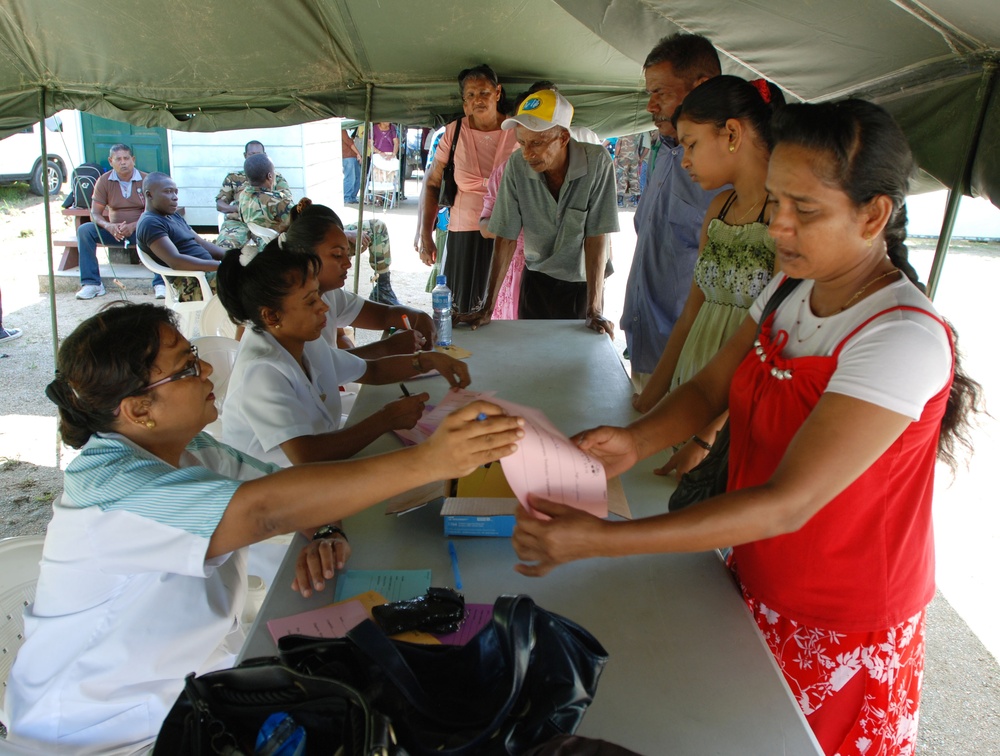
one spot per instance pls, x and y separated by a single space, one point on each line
724 127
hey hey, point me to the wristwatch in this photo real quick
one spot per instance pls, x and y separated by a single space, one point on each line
329 531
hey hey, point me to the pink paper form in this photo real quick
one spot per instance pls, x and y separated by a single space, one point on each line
549 465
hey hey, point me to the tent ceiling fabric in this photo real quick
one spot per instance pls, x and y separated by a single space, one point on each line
202 65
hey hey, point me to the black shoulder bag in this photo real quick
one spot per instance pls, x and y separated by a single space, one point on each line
526 677
449 187
709 478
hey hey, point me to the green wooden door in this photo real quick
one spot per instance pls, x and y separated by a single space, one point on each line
148 145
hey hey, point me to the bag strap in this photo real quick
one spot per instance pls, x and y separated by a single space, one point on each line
454 144
513 623
785 288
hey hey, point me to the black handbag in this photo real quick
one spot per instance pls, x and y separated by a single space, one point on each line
449 187
222 713
526 677
709 478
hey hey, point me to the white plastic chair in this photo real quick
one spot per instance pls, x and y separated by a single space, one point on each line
220 353
384 177
215 320
187 312
19 568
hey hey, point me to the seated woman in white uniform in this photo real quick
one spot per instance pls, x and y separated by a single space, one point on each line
143 575
283 401
318 229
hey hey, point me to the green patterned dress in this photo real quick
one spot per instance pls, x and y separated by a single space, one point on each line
732 270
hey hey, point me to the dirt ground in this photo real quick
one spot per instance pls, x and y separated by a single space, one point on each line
960 711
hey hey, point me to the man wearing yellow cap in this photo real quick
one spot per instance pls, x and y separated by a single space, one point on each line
562 194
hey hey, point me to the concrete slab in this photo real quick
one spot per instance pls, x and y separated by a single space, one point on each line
129 277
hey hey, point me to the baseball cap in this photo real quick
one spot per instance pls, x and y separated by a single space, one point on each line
540 111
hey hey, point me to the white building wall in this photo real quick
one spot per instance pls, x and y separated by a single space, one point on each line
306 155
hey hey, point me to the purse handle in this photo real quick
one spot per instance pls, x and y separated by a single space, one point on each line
513 623
454 144
780 294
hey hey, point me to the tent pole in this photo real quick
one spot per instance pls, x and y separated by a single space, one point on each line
962 179
365 155
54 321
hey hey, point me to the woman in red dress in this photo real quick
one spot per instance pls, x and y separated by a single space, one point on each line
840 402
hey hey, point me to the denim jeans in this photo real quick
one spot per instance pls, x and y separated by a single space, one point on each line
88 236
352 179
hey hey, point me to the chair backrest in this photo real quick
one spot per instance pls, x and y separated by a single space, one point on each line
215 320
220 353
19 568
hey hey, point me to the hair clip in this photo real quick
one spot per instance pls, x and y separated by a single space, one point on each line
765 91
281 240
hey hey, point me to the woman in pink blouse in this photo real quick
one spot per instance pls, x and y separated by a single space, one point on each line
481 147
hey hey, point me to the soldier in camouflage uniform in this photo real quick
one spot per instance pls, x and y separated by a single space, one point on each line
260 202
375 237
234 233
627 170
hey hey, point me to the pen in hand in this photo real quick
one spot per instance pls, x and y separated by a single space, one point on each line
454 565
403 388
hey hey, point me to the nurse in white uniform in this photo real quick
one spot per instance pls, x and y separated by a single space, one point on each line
143 571
283 402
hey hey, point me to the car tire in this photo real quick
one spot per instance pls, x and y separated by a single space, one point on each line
55 178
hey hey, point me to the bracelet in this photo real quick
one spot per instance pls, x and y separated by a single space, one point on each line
416 363
702 443
329 531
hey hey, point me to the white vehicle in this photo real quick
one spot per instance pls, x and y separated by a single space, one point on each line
20 158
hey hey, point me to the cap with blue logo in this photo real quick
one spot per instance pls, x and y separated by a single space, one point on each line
540 111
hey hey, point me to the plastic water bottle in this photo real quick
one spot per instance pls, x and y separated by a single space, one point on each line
441 302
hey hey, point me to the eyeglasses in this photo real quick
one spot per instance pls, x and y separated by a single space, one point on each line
191 371
483 94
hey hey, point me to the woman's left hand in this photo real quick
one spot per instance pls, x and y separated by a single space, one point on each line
683 460
317 561
456 371
567 535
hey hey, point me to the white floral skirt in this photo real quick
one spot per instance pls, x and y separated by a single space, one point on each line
860 691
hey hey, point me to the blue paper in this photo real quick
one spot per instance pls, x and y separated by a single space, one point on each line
394 585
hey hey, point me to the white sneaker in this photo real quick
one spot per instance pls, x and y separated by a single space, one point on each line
160 291
89 291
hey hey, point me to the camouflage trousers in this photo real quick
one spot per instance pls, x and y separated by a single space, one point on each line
379 252
187 288
234 234
627 175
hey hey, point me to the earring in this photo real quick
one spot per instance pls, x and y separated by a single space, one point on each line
148 423
868 239
732 148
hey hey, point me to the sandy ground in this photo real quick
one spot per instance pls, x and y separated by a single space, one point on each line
960 712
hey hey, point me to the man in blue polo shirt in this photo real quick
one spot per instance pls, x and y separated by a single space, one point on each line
671 210
562 194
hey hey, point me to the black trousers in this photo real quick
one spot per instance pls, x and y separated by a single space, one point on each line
546 298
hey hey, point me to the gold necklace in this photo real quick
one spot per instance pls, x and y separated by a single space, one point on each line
752 208
852 300
861 291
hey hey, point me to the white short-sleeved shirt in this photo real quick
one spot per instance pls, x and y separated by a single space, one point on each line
898 361
126 603
344 306
270 399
